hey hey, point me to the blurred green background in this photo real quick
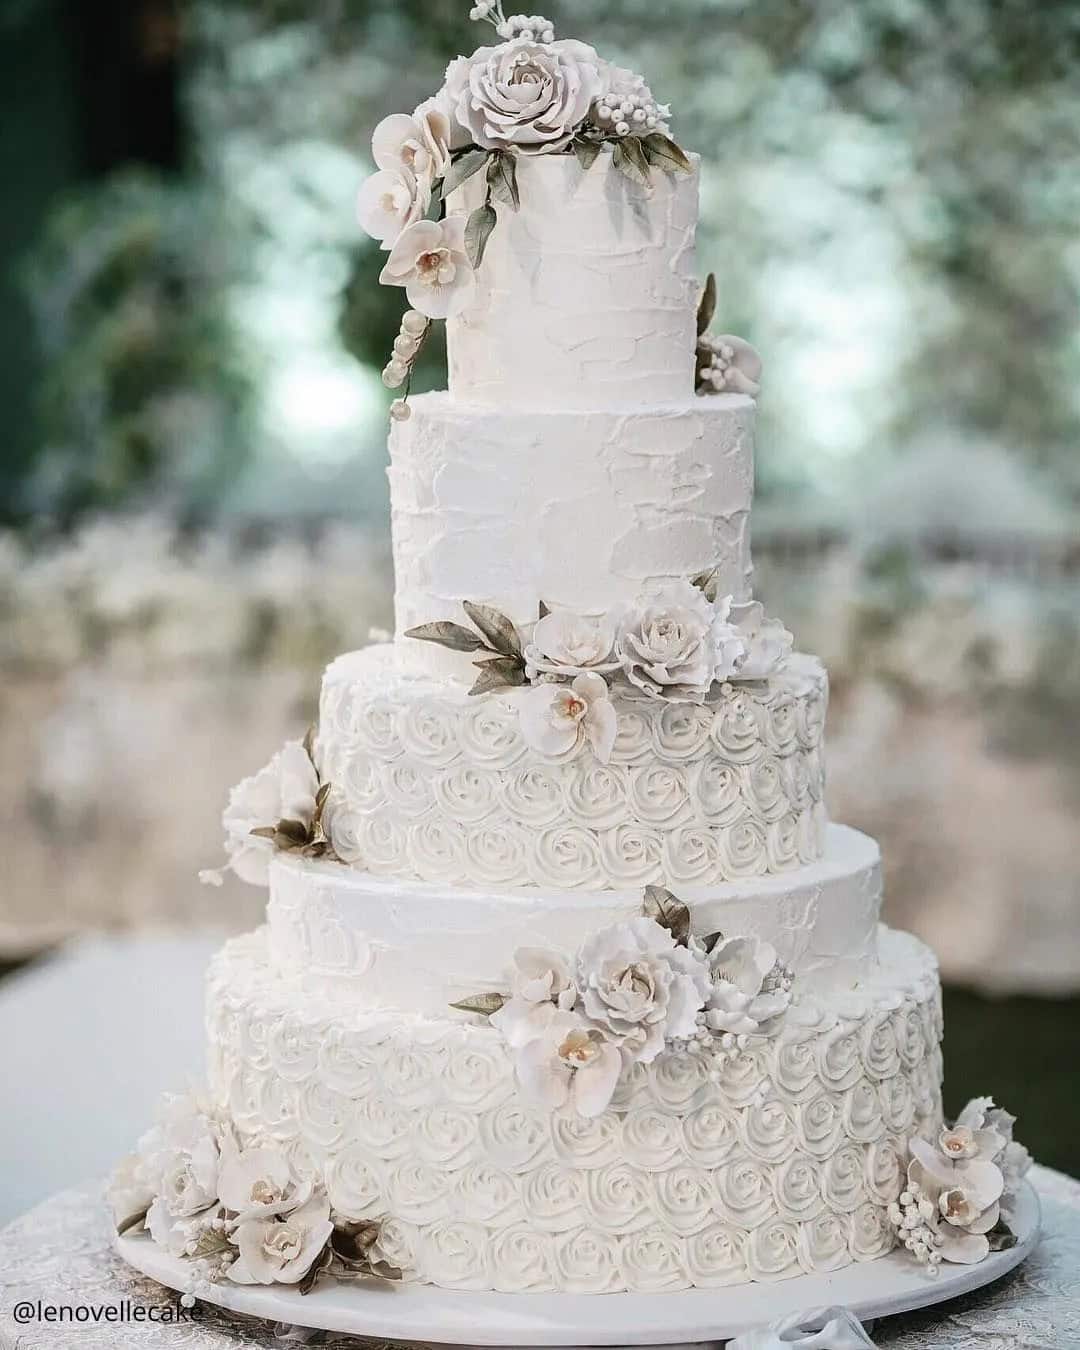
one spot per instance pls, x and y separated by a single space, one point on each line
194 505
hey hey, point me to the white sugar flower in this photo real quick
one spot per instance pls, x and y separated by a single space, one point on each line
389 201
540 982
733 366
556 718
419 143
524 95
767 642
674 643
258 1183
565 1063
542 976
750 990
284 790
429 260
965 1198
567 644
281 1250
178 1164
638 988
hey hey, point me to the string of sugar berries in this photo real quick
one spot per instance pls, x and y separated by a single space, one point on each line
398 370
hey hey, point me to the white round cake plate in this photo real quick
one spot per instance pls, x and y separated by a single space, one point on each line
410 1312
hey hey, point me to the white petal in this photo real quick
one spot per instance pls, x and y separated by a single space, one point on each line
601 728
540 729
388 138
594 1085
965 1249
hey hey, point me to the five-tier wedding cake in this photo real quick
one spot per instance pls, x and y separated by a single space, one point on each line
566 983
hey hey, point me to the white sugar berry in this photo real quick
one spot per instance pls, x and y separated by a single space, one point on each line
400 410
412 321
404 345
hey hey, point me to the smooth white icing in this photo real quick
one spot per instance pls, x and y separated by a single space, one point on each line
430 783
386 943
783 1163
587 293
579 509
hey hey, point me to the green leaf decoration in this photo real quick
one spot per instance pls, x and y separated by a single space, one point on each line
291 834
133 1222
662 151
453 635
628 156
586 151
502 178
320 805
462 169
708 583
478 231
211 1243
544 610
1001 1237
483 1004
670 913
319 1267
707 304
309 741
500 672
711 941
496 628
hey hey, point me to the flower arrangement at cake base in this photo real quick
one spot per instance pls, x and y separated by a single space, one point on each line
239 1214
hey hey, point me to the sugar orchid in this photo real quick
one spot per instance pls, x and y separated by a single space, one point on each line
429 260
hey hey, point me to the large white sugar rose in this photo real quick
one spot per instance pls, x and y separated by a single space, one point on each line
638 988
178 1164
524 95
748 992
419 143
571 644
557 718
768 643
281 1250
284 790
567 1063
389 200
428 259
180 1156
674 643
258 1183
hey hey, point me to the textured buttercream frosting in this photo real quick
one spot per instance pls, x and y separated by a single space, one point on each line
430 783
783 1164
579 509
587 293
383 943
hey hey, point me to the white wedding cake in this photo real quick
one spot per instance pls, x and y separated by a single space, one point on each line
566 984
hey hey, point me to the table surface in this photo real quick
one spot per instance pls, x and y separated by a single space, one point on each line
60 1254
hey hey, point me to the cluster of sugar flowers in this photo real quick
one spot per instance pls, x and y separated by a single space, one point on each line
531 94
279 808
234 1212
679 641
959 1191
633 990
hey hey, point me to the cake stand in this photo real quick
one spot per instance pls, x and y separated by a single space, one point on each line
407 1312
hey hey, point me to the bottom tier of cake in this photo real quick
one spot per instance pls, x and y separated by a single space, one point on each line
758 1163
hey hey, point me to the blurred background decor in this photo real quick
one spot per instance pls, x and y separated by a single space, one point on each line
194 509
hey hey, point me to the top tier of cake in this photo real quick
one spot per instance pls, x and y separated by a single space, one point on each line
587 293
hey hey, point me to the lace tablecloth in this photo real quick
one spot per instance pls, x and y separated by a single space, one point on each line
59 1254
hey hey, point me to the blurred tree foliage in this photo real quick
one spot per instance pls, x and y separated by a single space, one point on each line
890 196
